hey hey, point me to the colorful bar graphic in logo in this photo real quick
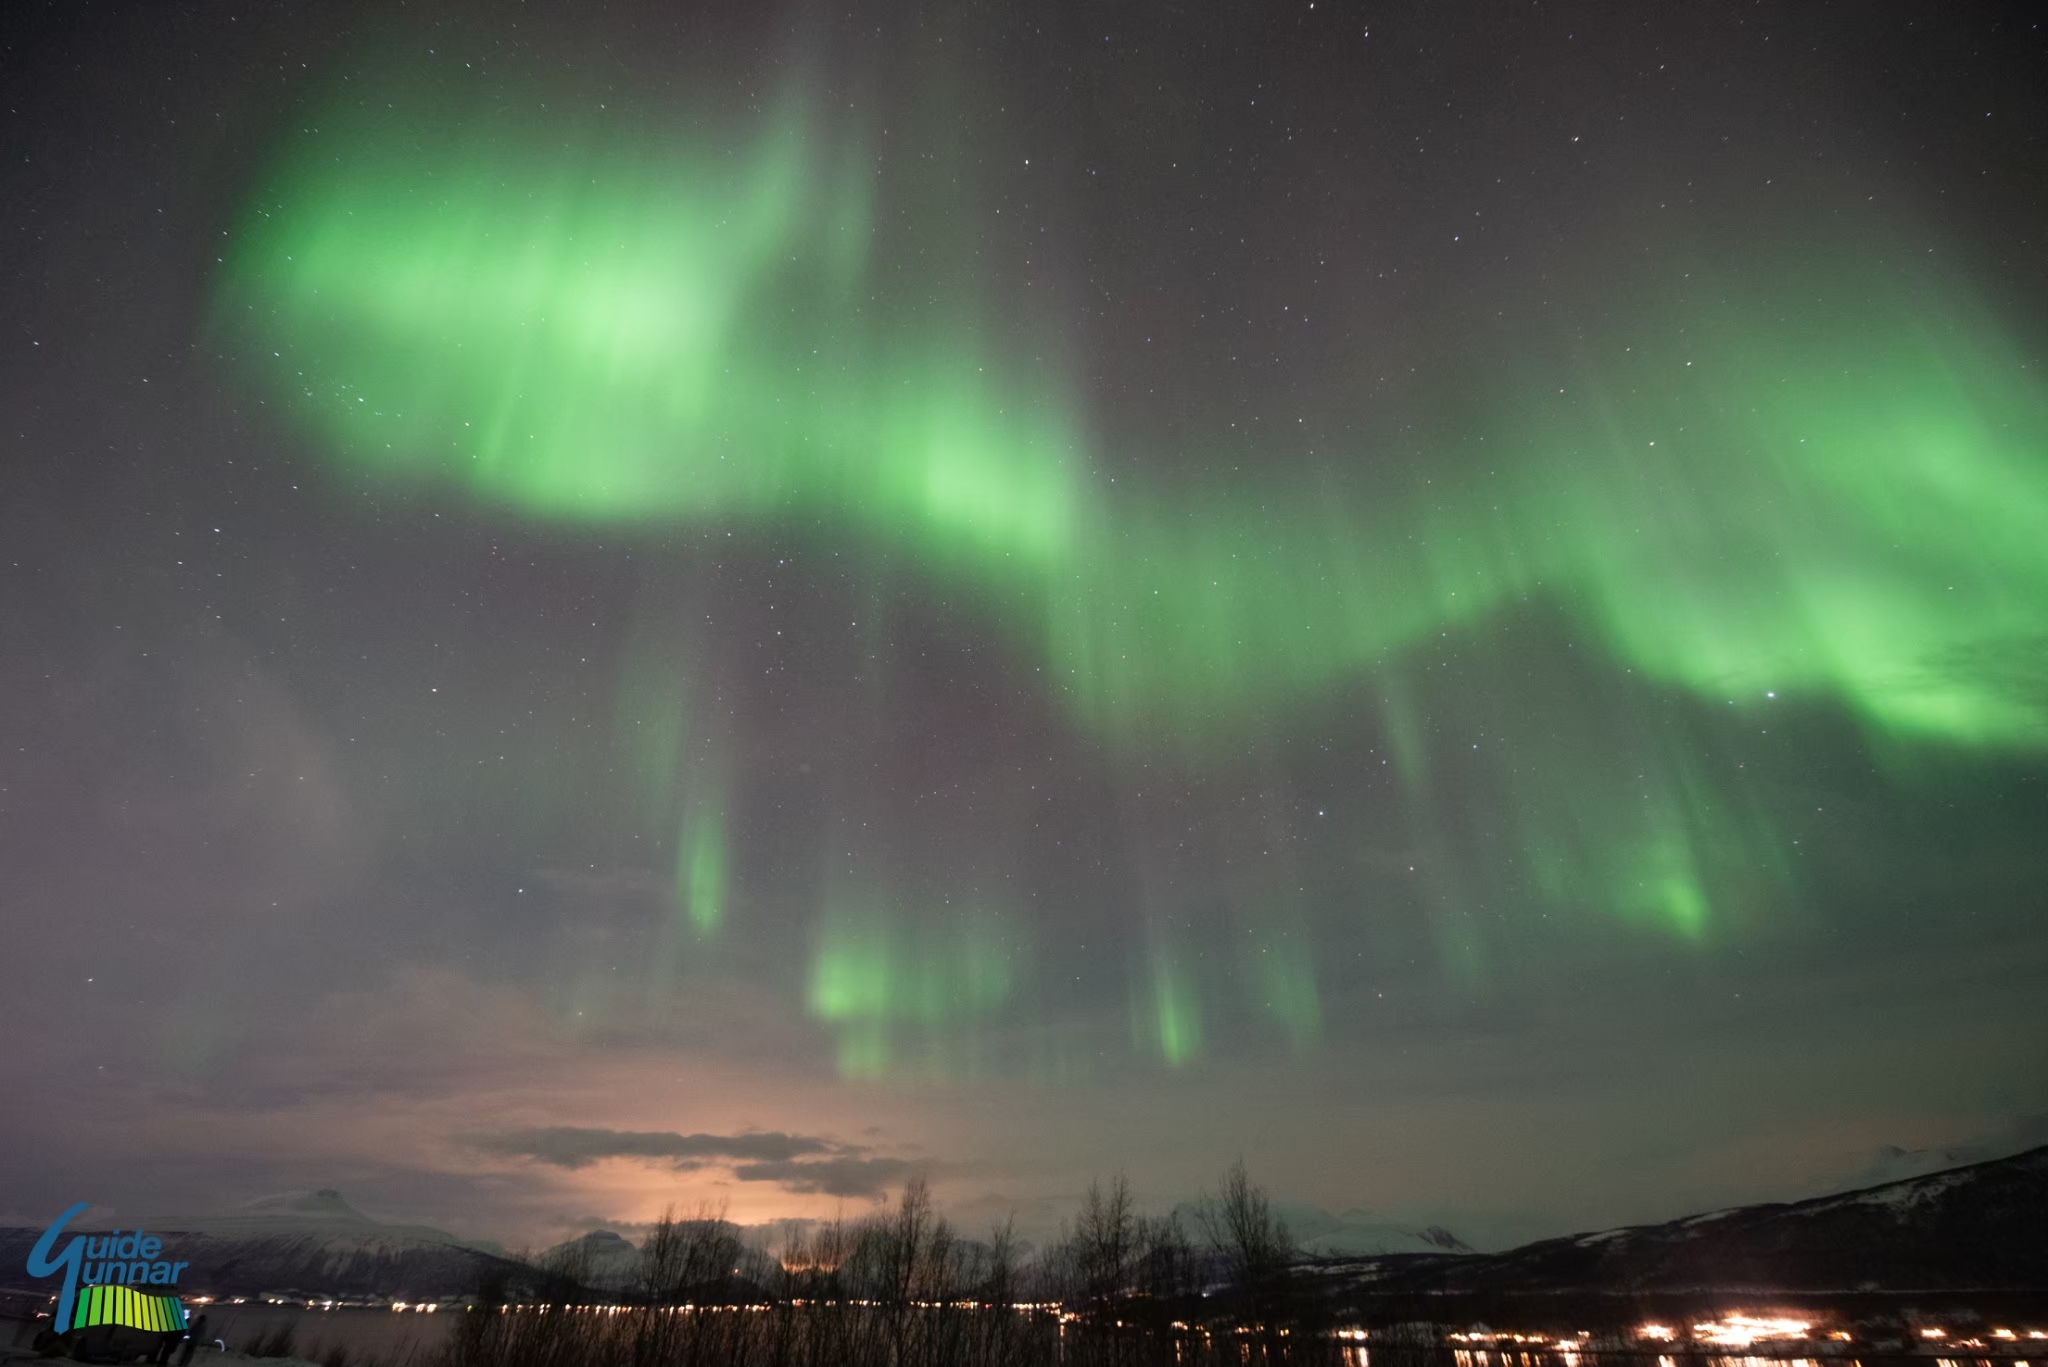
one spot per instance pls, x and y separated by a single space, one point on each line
123 1305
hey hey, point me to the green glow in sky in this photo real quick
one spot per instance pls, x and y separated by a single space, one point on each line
1282 977
1846 507
1827 488
700 872
899 991
1166 1017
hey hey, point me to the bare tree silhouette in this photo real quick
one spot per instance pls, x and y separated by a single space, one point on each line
903 1289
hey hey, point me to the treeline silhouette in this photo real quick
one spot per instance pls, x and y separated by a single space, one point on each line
904 1289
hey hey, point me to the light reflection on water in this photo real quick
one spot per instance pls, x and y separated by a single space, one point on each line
1559 1355
409 1340
378 1335
1555 1355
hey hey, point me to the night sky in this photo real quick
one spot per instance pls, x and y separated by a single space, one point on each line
614 605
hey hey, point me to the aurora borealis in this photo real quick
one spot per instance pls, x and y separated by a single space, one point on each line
1024 599
562 342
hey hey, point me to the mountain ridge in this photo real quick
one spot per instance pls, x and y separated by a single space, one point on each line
1971 1227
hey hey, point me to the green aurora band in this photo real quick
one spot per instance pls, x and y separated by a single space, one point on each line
876 980
1832 491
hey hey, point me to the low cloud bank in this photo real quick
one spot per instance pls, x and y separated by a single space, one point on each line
808 1164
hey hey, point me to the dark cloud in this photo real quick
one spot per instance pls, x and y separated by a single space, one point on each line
864 1177
804 1164
568 1146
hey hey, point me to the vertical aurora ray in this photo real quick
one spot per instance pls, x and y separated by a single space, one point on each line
1166 1008
908 993
650 726
679 787
700 870
1281 977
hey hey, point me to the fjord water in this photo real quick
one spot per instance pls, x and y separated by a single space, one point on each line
380 1337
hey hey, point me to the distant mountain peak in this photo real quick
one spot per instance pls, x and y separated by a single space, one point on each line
322 1216
1355 1233
324 1204
601 1257
604 1238
1443 1239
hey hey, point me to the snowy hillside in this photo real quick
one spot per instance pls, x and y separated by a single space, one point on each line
1975 1227
313 1242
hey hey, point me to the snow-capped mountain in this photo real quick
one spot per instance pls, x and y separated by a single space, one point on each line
601 1259
312 1242
1976 1227
1355 1233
